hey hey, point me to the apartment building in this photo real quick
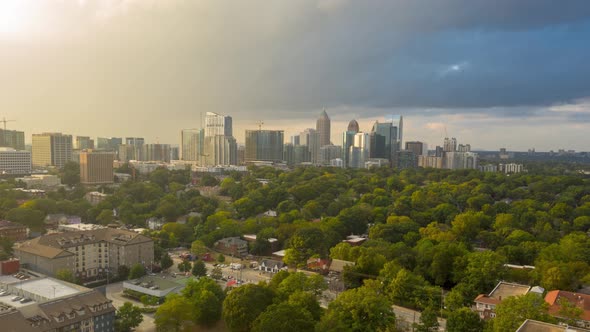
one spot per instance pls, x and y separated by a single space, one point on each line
15 162
88 254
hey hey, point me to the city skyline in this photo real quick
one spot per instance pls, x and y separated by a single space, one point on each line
493 73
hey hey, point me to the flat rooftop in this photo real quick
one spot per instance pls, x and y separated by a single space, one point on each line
536 326
505 289
48 288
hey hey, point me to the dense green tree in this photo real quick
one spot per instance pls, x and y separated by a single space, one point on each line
284 317
307 301
428 320
199 269
137 271
359 309
512 311
70 174
244 304
127 317
464 320
166 262
65 275
174 315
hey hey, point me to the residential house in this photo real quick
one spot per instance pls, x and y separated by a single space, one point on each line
485 305
233 246
582 301
271 266
13 231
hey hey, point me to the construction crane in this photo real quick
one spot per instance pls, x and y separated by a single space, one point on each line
4 121
260 123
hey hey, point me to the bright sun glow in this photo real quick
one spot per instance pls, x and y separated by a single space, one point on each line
15 17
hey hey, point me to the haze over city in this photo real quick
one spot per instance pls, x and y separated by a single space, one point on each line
494 73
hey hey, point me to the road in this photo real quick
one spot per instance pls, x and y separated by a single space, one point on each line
114 293
406 317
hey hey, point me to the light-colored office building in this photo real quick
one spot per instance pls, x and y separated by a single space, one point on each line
12 139
218 125
264 145
359 151
323 128
220 151
311 138
155 152
96 167
193 144
51 149
430 162
15 162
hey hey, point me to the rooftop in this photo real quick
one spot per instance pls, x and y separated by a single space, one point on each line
536 326
581 301
49 288
502 291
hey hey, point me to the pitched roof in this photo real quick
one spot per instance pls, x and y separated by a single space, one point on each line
338 265
581 301
34 247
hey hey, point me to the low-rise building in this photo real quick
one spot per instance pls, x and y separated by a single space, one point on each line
15 162
53 305
87 254
232 246
95 197
40 181
556 298
337 265
530 325
13 231
156 285
485 304
271 266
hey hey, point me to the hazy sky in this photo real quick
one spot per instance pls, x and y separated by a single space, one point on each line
499 73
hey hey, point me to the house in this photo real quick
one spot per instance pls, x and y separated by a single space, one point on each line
95 197
338 265
271 266
582 301
318 264
485 305
232 246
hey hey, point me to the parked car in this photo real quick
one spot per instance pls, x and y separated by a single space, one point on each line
25 300
16 298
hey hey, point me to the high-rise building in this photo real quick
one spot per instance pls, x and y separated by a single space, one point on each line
329 152
128 153
14 161
12 139
51 149
155 152
295 140
418 148
289 153
347 142
217 124
311 138
84 142
135 141
264 145
353 126
323 128
220 151
96 167
359 151
406 159
111 144
174 152
450 145
193 144
241 155
386 139
301 154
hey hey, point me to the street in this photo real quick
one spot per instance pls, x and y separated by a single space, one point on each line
114 293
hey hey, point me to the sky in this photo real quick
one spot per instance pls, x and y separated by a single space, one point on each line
494 74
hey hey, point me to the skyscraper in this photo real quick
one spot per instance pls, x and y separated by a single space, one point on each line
348 140
220 151
359 151
193 144
135 141
311 138
217 124
323 128
353 126
155 152
84 142
450 145
96 167
51 149
12 139
386 139
418 148
264 145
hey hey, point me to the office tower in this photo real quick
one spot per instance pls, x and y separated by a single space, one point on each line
301 154
418 148
430 161
461 160
353 126
156 152
329 152
241 155
112 143
193 144
386 139
264 145
450 145
174 152
439 151
217 124
127 153
12 139
51 149
84 142
96 167
323 128
14 161
295 140
220 151
135 141
348 141
311 138
359 151
406 159
289 153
